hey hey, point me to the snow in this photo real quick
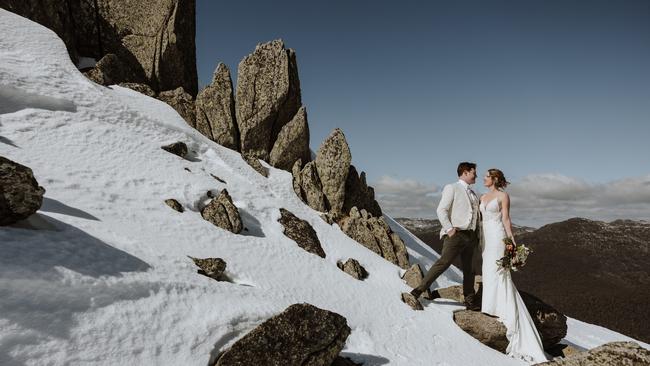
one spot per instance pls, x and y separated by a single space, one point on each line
101 276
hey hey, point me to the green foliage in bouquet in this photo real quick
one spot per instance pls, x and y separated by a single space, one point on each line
514 256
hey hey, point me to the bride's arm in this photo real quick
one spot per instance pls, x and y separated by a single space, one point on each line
505 217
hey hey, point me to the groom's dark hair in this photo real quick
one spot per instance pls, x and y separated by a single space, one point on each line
465 167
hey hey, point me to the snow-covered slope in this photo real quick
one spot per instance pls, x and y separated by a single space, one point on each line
101 276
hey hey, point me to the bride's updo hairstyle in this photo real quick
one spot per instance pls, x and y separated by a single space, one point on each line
498 178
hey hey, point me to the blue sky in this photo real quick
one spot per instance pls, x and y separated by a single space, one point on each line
555 93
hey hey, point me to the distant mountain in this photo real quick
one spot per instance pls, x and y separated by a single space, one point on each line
594 271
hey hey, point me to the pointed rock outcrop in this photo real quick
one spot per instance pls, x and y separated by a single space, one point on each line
301 232
302 335
292 142
312 188
359 194
215 110
20 194
333 164
223 213
375 234
268 96
182 102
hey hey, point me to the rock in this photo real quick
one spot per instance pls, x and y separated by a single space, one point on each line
613 353
296 180
254 163
301 232
452 293
550 323
302 335
110 70
357 229
223 213
413 276
20 194
353 268
311 187
411 301
215 110
217 178
359 194
158 40
211 267
175 205
333 164
382 238
155 41
485 328
182 102
140 88
374 234
268 96
327 218
177 148
400 250
292 142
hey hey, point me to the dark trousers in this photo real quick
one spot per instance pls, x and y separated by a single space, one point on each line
463 243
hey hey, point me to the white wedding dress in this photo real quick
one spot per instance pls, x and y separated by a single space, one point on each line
500 296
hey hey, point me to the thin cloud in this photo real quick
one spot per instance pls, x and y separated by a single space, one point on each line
537 199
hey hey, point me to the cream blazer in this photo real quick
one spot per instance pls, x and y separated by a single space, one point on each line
455 208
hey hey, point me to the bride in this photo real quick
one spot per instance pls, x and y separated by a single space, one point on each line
500 296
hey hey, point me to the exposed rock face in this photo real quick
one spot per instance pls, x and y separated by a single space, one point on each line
413 276
333 164
254 163
302 335
182 102
211 267
292 142
223 213
357 228
140 88
268 96
550 323
110 70
353 268
411 301
487 329
359 194
215 110
613 353
20 194
175 205
312 190
155 38
301 232
376 235
177 148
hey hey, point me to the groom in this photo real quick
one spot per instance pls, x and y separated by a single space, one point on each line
459 215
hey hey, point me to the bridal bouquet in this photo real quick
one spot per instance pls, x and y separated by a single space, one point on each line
514 255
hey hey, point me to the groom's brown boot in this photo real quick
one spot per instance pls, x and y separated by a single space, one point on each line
416 293
471 303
